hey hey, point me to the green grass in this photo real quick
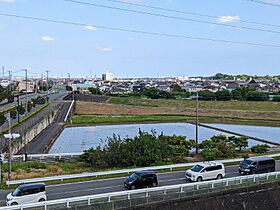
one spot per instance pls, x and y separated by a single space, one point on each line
224 105
98 119
118 119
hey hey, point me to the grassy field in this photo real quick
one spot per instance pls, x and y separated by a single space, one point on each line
221 105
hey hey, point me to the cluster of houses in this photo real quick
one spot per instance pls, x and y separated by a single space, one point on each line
122 86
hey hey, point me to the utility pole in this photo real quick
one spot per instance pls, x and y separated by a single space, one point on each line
10 148
10 87
196 124
3 69
26 97
10 137
47 86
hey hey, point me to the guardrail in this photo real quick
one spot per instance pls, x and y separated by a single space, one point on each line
125 199
47 156
114 172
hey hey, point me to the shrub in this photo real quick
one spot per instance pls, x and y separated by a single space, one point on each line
211 154
260 148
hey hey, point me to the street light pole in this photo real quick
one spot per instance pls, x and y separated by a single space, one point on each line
196 124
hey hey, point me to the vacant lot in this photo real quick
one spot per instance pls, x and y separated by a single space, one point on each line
220 105
104 112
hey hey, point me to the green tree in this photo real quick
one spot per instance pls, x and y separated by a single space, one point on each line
20 109
69 88
13 114
256 96
95 91
2 118
152 93
276 98
207 95
239 142
177 88
223 95
260 148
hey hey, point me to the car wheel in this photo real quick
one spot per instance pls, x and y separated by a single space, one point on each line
220 176
155 184
132 187
14 203
42 200
199 179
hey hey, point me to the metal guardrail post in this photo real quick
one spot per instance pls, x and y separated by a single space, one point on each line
128 196
109 198
227 183
68 204
88 202
197 187
181 189
241 180
212 186
254 178
45 206
147 193
164 191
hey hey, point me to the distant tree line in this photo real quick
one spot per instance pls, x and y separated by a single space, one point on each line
240 94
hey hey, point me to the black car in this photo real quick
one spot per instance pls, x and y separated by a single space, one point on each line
257 165
141 179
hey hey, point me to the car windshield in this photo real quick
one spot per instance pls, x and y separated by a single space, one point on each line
134 176
246 162
16 192
197 168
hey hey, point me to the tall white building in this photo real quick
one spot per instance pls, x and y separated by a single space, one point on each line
108 76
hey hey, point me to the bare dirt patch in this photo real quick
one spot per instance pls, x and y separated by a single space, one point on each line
89 108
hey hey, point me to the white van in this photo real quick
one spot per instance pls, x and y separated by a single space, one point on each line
206 171
27 193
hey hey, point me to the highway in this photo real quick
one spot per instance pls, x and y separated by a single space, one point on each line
114 184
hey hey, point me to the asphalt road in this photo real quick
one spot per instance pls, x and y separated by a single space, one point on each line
114 185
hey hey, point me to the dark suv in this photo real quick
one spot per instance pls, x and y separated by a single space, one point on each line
257 165
141 179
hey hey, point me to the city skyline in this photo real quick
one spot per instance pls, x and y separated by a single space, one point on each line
90 50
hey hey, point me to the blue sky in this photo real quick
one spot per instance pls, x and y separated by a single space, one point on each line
77 50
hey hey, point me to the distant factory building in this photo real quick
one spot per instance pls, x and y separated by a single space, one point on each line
108 76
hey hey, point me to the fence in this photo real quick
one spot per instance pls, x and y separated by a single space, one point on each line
46 157
124 171
125 199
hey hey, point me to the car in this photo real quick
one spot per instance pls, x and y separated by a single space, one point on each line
141 179
206 171
27 193
256 165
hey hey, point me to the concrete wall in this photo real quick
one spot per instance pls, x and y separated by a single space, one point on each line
262 197
32 132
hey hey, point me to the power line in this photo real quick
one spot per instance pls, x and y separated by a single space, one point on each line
138 31
173 17
188 13
265 3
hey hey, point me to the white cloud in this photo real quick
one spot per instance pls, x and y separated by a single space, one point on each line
104 49
91 28
228 19
131 38
7 1
47 39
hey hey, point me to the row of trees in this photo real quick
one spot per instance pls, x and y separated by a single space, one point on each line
240 94
20 109
148 149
